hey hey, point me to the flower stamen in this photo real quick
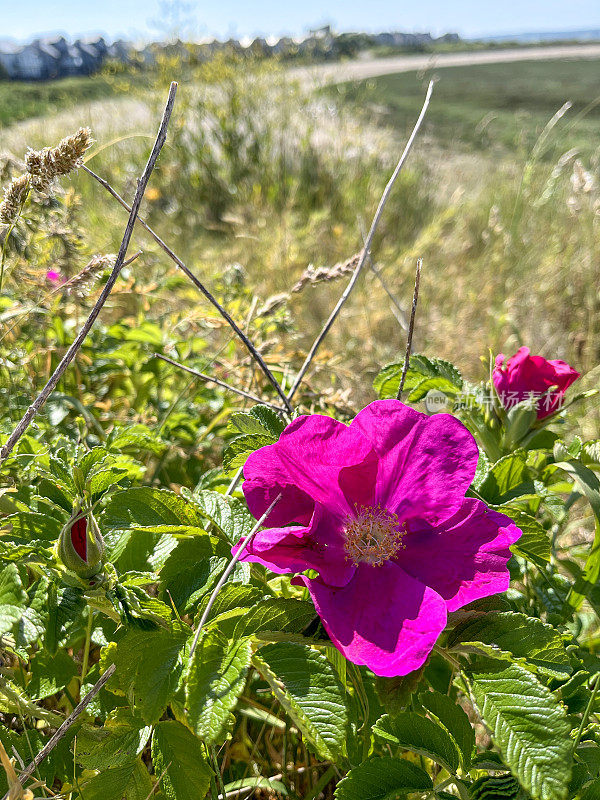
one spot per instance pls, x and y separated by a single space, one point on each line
373 536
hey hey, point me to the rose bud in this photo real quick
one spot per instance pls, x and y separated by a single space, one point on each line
80 545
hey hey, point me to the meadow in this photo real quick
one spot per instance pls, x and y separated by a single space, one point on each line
220 679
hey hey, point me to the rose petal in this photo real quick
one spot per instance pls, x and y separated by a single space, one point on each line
464 558
319 546
382 618
426 463
317 459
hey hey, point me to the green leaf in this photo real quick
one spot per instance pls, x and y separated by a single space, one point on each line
510 635
131 782
421 735
382 779
228 514
529 727
233 601
65 612
150 509
104 480
216 678
180 761
32 527
239 449
148 669
135 438
121 739
534 545
430 384
591 791
190 571
50 674
278 615
508 478
498 787
12 598
449 714
307 686
589 485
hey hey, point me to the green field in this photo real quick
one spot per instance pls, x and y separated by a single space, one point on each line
20 100
484 105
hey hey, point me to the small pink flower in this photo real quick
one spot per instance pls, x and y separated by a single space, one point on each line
525 377
378 510
52 276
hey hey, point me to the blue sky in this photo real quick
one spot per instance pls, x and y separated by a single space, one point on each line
135 18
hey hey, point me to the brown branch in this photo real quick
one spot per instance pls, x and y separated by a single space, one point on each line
54 740
365 251
411 327
40 400
223 384
202 288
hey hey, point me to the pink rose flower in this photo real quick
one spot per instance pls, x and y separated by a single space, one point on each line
52 276
525 377
378 510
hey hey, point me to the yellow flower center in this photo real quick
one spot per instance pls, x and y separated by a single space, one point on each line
373 536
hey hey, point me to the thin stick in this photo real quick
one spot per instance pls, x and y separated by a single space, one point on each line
40 400
245 542
365 251
54 740
411 327
223 384
201 287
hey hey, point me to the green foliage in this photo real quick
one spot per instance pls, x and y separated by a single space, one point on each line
179 757
529 726
382 779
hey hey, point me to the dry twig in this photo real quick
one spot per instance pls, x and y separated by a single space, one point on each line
223 384
199 285
243 545
54 740
411 327
364 253
40 400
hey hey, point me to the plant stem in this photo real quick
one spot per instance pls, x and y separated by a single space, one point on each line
587 712
217 769
87 645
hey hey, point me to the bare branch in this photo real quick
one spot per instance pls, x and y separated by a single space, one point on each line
40 400
365 251
54 740
243 545
411 327
223 384
202 288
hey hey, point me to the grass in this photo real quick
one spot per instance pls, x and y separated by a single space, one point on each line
492 105
20 100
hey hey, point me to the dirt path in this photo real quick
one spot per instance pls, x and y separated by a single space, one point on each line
371 68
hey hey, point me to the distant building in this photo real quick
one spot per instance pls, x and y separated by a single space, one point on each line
47 58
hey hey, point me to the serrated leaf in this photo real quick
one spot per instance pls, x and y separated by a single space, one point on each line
147 508
506 479
117 743
529 727
216 678
269 419
12 598
179 758
136 437
438 384
534 543
307 686
275 787
233 601
65 611
227 514
33 527
455 721
510 635
105 479
50 674
148 669
382 779
277 614
190 571
420 735
239 449
131 782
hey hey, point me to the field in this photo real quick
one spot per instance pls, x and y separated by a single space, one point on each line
121 505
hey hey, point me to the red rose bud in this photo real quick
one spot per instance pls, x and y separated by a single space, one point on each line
80 545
